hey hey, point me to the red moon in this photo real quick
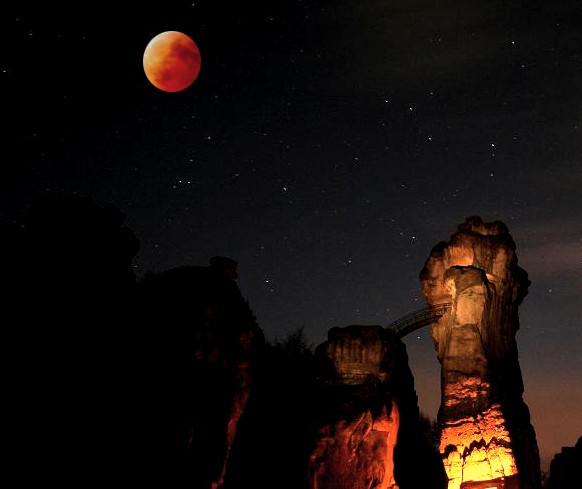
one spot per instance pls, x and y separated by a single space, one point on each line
171 61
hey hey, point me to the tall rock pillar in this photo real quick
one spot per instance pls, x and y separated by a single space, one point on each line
486 437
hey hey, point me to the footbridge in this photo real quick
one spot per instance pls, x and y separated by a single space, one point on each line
418 319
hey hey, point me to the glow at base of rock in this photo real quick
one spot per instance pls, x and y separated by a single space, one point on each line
477 449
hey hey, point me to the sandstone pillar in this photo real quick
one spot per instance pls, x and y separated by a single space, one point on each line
486 437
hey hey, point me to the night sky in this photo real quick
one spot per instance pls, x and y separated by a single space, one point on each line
327 146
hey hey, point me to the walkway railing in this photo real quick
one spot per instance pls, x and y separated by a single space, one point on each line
418 319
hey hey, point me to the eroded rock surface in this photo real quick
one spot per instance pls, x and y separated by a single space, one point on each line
366 437
486 433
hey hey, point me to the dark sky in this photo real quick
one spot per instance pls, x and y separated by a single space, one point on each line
326 146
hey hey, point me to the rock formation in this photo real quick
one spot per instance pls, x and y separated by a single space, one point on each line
565 467
67 266
368 411
485 427
198 369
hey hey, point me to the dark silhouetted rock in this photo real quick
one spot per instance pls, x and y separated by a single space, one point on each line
68 309
200 338
565 467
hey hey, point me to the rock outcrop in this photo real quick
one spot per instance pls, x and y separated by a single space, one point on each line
201 338
368 415
565 467
486 434
69 284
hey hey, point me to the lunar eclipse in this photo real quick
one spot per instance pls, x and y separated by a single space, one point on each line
171 61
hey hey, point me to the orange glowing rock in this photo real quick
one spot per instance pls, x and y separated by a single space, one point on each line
354 448
476 271
356 454
477 448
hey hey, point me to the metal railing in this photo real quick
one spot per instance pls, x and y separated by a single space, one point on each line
418 319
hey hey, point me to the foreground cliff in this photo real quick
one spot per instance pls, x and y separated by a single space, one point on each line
486 435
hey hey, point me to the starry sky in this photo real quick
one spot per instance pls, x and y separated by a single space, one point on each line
327 146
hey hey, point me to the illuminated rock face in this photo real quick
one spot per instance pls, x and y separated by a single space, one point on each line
357 453
355 445
367 416
486 433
